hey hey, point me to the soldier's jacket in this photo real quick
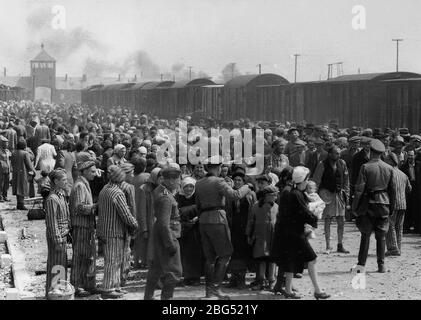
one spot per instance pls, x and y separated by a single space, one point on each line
375 185
210 193
167 224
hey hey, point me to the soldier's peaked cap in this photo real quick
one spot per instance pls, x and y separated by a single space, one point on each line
170 172
377 146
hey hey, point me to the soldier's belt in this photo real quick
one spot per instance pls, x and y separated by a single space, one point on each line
212 208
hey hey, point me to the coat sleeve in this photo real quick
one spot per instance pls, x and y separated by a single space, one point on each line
308 216
229 192
359 189
346 181
28 163
318 173
124 211
162 224
82 208
141 211
51 222
251 221
392 191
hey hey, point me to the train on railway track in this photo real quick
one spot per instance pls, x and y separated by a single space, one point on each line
369 100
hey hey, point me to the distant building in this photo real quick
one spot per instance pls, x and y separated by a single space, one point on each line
44 85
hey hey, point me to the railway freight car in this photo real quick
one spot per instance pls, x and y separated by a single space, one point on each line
183 97
212 101
370 100
152 97
240 99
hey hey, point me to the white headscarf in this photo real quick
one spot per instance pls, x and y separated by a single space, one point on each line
187 181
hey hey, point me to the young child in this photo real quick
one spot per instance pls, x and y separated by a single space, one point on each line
44 186
260 228
315 205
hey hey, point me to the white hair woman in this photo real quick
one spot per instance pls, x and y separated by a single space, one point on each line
295 250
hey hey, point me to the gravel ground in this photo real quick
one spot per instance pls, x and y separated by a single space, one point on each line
402 281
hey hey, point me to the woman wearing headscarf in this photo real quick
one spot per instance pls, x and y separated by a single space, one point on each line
294 250
190 244
146 216
57 219
237 215
22 172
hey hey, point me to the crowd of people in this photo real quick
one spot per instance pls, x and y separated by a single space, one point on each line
107 193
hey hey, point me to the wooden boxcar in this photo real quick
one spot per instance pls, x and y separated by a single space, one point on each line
151 98
369 100
183 97
212 101
240 99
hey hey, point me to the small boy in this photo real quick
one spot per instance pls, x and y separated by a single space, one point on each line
315 205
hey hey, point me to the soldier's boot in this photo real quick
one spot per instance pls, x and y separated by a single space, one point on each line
167 292
149 291
219 273
209 270
380 250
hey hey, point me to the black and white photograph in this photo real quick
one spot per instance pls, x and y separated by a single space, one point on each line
221 153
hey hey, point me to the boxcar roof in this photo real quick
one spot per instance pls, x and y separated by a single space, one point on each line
375 76
154 85
256 80
117 86
192 83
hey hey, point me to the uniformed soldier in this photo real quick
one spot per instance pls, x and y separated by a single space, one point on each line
166 265
215 234
374 201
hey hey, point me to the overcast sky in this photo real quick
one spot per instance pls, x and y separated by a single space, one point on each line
209 34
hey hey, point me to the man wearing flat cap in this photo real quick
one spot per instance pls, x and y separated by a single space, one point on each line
210 193
314 158
82 217
375 198
166 263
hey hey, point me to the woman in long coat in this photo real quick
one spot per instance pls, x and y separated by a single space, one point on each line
22 169
237 215
294 250
146 217
190 242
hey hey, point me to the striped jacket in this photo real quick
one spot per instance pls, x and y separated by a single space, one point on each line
57 217
403 188
114 216
81 204
129 193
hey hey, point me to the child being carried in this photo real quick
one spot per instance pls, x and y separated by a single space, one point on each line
316 205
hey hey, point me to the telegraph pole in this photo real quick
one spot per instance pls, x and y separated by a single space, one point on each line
162 77
260 68
397 53
296 58
190 72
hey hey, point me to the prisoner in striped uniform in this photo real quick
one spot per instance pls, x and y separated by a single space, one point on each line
403 189
115 221
82 213
129 193
57 219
